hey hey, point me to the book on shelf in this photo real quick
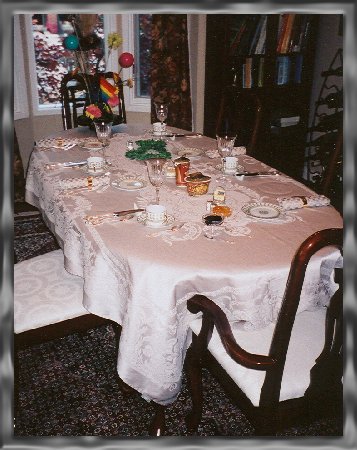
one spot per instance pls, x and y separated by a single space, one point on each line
260 48
238 36
255 71
283 122
283 19
305 32
256 35
248 72
285 41
298 63
295 34
283 70
261 72
246 39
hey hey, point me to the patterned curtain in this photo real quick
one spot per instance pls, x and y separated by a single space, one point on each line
170 75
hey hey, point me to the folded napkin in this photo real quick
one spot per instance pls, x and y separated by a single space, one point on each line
299 201
89 182
236 152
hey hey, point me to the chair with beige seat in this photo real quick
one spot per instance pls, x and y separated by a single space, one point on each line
280 372
48 301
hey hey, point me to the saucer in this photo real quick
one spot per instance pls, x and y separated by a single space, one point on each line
158 133
231 172
97 172
90 144
190 152
129 183
167 223
262 210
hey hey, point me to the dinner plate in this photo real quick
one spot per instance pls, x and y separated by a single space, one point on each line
90 144
55 142
262 210
190 152
97 172
129 183
168 222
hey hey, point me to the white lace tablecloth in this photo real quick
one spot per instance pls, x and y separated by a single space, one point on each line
142 277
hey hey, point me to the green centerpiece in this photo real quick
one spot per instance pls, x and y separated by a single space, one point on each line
149 148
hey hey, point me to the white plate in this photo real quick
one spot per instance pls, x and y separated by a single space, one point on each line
55 142
168 222
233 172
90 144
262 210
190 152
97 172
158 133
129 183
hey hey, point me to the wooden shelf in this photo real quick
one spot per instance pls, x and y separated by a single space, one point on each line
222 67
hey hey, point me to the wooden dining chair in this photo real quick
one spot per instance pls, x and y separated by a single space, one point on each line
275 372
74 96
244 110
48 301
331 184
48 305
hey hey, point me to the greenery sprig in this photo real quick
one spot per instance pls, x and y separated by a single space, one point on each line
149 148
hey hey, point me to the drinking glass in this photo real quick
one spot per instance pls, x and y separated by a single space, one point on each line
161 110
104 132
156 172
225 144
212 221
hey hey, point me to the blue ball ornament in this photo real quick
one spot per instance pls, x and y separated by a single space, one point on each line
71 42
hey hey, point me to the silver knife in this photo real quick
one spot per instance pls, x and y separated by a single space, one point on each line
256 174
128 211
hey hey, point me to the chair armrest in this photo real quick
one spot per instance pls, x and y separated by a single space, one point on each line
212 312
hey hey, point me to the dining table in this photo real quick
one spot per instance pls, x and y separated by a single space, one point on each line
141 276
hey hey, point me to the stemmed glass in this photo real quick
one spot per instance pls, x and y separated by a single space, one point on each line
225 145
212 221
161 110
104 131
156 172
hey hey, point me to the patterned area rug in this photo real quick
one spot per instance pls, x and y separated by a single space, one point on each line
70 387
31 236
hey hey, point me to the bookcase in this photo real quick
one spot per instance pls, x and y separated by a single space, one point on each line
272 55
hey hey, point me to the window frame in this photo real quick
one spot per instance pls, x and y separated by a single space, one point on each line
132 103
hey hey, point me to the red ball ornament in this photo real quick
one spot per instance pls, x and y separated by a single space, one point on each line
126 60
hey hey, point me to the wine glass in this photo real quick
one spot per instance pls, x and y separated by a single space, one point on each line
161 110
225 144
156 172
103 131
212 220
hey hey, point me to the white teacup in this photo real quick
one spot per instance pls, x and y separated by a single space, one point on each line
230 164
158 128
95 164
155 214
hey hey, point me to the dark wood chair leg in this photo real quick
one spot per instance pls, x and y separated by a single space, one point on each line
158 426
194 377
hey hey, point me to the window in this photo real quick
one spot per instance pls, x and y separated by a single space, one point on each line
49 60
136 31
142 39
